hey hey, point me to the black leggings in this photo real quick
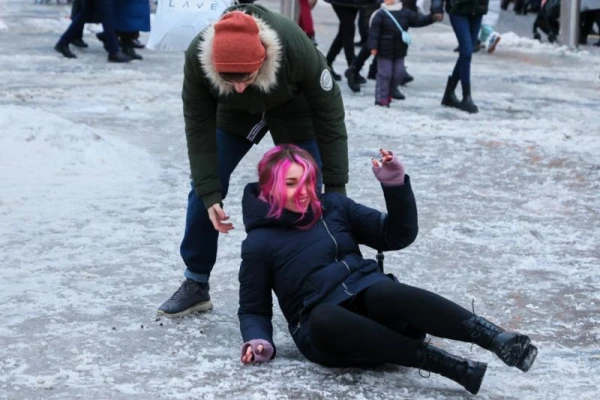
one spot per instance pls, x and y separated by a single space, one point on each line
345 35
382 325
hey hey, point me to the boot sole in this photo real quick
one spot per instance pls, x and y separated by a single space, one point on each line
205 306
513 351
527 359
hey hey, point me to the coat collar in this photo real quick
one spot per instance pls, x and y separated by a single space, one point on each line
255 212
267 75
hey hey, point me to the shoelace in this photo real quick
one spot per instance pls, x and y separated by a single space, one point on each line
425 362
182 291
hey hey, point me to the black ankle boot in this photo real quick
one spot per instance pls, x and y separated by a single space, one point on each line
64 50
450 99
514 349
372 71
397 94
119 57
467 103
352 77
127 48
466 373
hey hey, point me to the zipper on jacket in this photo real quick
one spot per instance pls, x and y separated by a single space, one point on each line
334 241
348 292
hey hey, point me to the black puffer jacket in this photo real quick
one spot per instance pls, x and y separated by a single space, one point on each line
460 7
385 36
320 265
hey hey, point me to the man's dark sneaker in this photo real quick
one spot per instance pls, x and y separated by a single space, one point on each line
119 57
191 297
79 43
64 50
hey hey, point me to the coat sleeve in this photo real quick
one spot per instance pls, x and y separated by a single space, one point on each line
394 231
375 30
256 301
418 20
326 107
200 116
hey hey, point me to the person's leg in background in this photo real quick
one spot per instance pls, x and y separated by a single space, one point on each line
488 37
74 30
353 72
463 27
345 36
398 75
336 44
109 36
384 78
199 245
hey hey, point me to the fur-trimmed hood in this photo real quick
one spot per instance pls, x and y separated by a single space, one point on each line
267 75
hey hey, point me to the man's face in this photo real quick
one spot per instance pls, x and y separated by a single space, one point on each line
240 86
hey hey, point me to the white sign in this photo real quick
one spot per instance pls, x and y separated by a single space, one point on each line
177 22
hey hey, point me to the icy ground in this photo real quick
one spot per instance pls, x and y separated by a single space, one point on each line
93 186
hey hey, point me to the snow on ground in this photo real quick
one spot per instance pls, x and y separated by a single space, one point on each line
93 184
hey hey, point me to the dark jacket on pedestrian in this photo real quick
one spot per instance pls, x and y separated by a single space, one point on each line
460 7
385 36
321 265
294 97
132 15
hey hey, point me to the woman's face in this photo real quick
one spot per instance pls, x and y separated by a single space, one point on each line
292 182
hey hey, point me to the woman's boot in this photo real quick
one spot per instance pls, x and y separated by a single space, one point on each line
353 79
467 103
514 349
127 47
450 99
465 372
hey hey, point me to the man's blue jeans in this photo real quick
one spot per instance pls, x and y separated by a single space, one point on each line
466 29
199 245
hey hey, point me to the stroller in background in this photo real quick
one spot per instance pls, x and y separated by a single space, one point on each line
548 20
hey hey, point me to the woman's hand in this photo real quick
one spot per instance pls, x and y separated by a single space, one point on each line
388 170
438 17
256 351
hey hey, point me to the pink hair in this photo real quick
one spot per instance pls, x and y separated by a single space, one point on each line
272 170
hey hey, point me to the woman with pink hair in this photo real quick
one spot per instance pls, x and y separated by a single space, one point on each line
341 309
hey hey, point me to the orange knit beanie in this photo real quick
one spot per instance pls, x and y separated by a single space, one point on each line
237 46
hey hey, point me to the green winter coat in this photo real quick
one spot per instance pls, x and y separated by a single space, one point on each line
294 97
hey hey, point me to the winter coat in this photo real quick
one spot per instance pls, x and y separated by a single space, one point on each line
95 18
321 265
132 15
385 36
460 7
294 97
129 15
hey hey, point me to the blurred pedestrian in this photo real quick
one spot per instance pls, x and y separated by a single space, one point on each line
105 10
465 18
389 41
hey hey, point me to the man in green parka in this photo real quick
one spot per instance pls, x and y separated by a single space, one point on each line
251 72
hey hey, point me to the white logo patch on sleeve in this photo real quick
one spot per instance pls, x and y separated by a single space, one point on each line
326 80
